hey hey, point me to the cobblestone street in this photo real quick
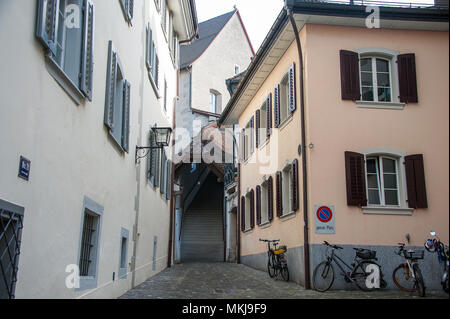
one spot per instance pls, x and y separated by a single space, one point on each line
233 281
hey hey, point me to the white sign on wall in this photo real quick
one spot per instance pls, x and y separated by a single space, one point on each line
324 216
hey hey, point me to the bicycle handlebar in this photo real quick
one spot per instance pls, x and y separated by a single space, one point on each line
333 246
269 241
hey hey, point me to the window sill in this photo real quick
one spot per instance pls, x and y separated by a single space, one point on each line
265 224
287 216
385 210
248 231
117 143
264 143
63 80
381 105
87 283
285 122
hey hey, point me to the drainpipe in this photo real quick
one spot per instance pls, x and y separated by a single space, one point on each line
303 133
172 196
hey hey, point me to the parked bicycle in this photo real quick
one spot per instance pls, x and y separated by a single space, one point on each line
277 263
442 251
407 276
364 272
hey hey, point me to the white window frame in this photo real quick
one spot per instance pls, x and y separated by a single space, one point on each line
247 210
391 56
287 189
262 124
284 99
402 208
264 203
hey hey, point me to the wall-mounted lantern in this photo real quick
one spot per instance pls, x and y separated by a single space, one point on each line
162 139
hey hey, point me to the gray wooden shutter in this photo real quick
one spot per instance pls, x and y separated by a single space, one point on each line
156 71
355 179
415 181
258 118
153 156
407 78
258 205
294 186
47 23
270 197
279 192
110 86
126 116
87 61
252 134
252 209
242 210
169 180
269 115
292 89
148 56
350 86
157 167
276 105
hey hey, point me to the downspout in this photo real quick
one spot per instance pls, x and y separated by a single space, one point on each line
172 197
304 167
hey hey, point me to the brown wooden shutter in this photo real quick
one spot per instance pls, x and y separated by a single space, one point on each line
407 78
252 209
295 188
257 116
276 105
279 194
356 179
292 89
242 213
350 87
269 115
258 205
415 181
252 132
270 198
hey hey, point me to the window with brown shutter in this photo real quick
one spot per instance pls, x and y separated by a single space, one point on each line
350 86
415 180
407 78
355 179
258 205
269 115
279 183
294 187
276 105
242 209
270 198
252 209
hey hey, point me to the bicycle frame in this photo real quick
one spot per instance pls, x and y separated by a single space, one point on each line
338 261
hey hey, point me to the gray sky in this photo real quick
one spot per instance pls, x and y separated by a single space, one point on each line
258 15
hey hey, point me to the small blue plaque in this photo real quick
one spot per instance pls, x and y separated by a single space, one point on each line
24 168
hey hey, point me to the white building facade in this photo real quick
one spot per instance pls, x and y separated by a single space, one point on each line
84 82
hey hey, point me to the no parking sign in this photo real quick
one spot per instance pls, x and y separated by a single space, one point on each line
324 216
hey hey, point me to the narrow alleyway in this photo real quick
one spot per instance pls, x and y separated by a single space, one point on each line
233 281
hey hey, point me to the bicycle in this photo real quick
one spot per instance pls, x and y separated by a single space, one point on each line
442 251
407 276
364 272
276 263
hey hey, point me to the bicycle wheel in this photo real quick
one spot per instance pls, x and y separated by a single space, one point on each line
323 276
365 276
403 278
271 266
284 272
420 285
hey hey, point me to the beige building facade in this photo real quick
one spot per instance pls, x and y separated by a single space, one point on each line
374 111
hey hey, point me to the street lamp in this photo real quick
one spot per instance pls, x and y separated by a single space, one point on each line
162 139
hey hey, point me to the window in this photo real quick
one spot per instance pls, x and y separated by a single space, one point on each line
382 181
261 124
212 102
376 79
128 9
165 95
287 193
287 182
236 69
123 254
152 60
265 202
117 106
284 111
89 248
158 5
285 101
248 211
66 30
165 16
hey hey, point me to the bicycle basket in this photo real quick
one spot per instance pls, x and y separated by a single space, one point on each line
411 254
366 254
280 250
